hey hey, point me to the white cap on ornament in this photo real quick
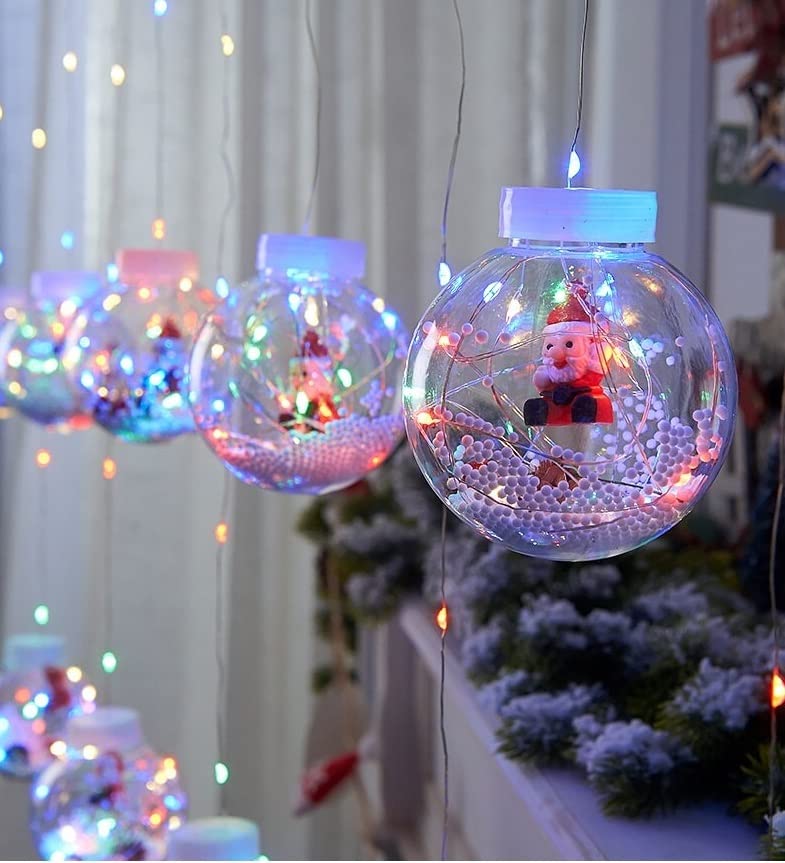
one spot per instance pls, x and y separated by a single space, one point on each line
324 256
577 215
106 728
59 285
33 650
222 838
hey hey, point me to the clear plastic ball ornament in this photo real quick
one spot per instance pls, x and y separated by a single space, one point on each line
128 353
33 378
571 395
109 796
220 838
296 377
38 695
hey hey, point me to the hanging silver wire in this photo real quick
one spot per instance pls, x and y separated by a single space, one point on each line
220 643
775 623
579 108
318 142
108 591
442 725
159 141
457 139
224 154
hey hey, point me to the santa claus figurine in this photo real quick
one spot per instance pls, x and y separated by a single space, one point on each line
571 372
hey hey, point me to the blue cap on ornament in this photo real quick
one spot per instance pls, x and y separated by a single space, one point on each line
578 215
59 285
296 254
222 838
33 650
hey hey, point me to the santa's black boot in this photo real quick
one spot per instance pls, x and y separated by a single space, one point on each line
584 410
535 412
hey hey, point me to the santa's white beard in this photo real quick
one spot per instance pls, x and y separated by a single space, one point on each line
576 367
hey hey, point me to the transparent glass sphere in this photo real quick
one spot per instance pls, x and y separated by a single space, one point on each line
35 704
296 377
128 352
106 800
571 400
33 378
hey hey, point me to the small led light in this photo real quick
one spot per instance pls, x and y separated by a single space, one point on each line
38 139
574 167
90 752
159 8
67 308
2 258
117 75
221 532
444 273
58 748
217 351
227 45
29 710
777 689
441 618
41 699
378 305
186 284
89 693
158 228
112 272
70 61
2 113
222 287
73 673
221 773
43 458
109 468
311 312
67 239
109 662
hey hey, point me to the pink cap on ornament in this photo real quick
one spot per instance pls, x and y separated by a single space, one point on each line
577 215
33 650
137 267
107 728
222 838
299 255
59 285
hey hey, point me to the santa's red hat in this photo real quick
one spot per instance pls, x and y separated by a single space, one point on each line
571 316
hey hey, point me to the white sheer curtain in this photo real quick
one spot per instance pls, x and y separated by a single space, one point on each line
390 83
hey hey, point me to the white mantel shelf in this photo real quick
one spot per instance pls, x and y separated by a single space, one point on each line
501 809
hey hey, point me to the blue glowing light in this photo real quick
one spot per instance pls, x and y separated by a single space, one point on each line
67 239
87 378
219 405
2 257
390 320
157 377
112 272
4 725
294 301
41 700
127 364
41 792
3 754
84 342
574 167
222 287
444 273
171 802
160 7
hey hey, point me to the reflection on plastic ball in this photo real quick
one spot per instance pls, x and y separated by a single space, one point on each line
295 378
35 703
108 796
571 395
32 336
128 353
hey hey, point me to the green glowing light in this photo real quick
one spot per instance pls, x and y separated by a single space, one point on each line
560 295
259 332
252 353
109 662
221 773
41 615
172 401
301 402
345 377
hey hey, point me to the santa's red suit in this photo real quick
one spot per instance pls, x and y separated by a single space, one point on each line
561 400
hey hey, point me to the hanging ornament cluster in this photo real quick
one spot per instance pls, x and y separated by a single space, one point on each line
219 838
295 378
32 338
108 796
571 395
38 695
128 353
